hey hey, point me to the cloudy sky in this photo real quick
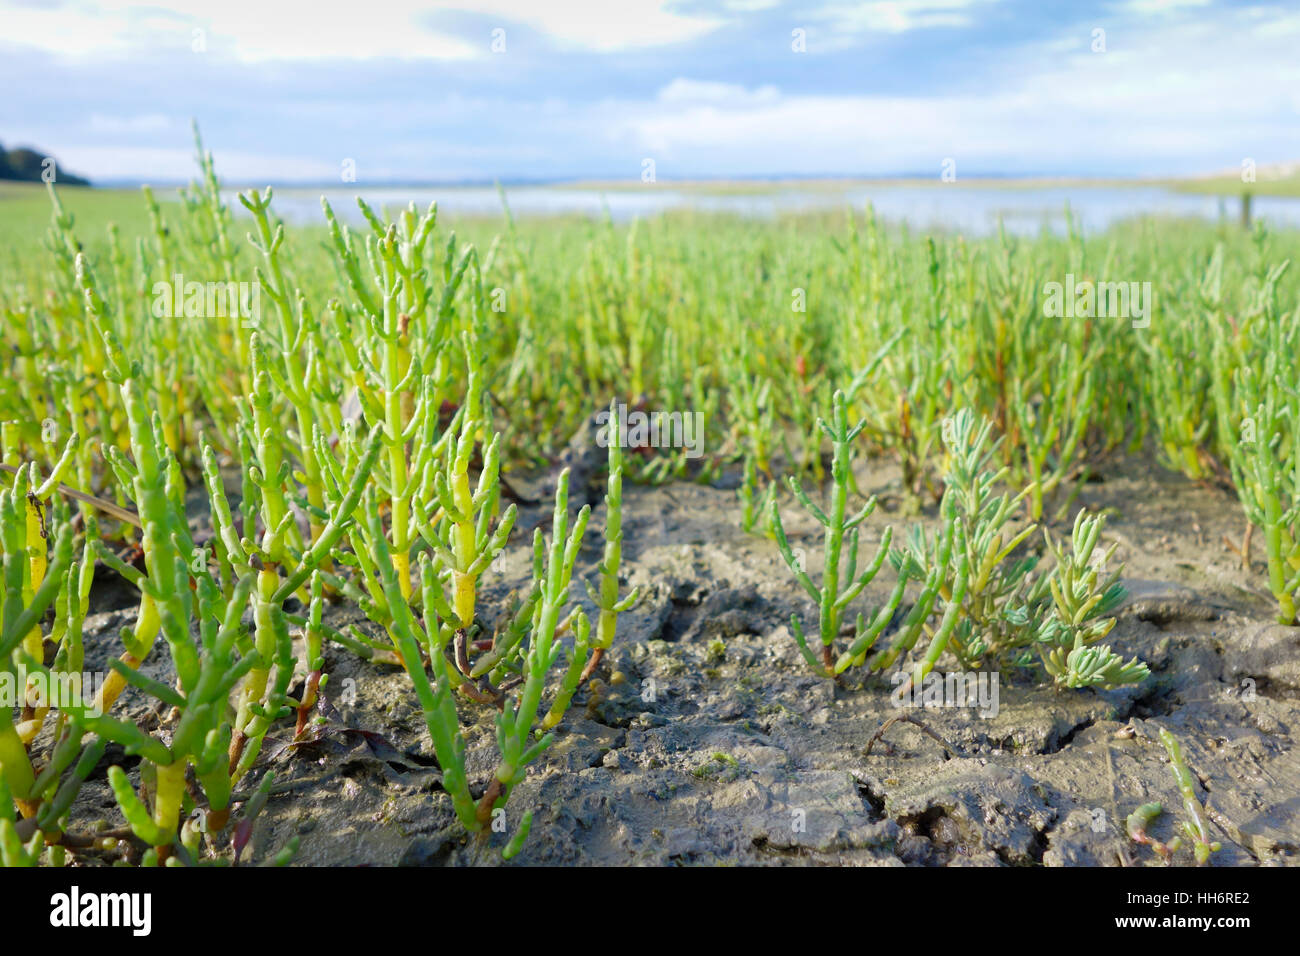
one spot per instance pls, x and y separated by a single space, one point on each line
448 90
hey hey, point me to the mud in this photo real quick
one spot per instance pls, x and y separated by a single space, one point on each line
706 741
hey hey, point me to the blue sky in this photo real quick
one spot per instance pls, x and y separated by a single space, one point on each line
412 90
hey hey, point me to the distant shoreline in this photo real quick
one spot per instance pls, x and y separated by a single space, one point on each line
1226 186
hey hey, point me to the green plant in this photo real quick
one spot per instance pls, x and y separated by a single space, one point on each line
998 590
33 580
515 722
997 607
606 598
903 415
374 412
831 598
520 665
1193 828
1258 407
1082 593
470 544
202 736
1139 821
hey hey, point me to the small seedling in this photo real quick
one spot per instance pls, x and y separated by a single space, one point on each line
1193 827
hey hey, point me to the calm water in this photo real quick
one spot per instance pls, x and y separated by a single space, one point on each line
970 210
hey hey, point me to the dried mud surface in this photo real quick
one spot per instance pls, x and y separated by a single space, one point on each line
706 740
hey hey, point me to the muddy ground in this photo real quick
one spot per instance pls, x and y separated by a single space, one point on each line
707 741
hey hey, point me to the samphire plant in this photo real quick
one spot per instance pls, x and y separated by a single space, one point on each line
1083 592
606 596
33 580
841 580
509 671
324 513
355 411
520 659
1009 608
1265 464
181 592
991 586
1006 609
234 684
994 608
1194 827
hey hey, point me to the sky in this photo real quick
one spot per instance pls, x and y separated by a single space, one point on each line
540 90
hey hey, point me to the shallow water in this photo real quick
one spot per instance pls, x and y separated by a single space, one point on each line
972 210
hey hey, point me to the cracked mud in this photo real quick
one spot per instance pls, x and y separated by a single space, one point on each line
705 740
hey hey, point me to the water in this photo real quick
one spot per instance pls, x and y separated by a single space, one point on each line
971 210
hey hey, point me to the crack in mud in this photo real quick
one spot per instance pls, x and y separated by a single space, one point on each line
1056 744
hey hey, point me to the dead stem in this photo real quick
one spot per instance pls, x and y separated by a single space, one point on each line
592 663
908 718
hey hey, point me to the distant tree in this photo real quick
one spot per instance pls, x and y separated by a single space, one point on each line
28 165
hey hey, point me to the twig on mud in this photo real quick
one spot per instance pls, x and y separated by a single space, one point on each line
462 657
1122 854
1244 551
78 841
908 718
482 690
107 507
278 787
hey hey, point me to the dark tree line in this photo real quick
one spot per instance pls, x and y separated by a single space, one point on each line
28 165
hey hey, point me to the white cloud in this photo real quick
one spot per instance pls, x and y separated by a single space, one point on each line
141 123
249 29
1173 98
1147 7
66 31
1173 94
685 91
256 30
898 16
601 25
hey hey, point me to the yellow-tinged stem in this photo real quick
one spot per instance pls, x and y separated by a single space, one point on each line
33 642
605 626
28 729
146 629
113 685
401 546
167 801
402 564
255 686
16 766
466 584
35 545
465 596
396 362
